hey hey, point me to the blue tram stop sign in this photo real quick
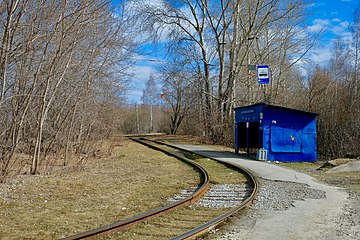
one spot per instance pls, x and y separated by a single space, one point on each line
263 74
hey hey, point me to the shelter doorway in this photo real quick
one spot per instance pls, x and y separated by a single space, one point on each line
249 136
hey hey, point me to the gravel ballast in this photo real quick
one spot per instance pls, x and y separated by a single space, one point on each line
218 196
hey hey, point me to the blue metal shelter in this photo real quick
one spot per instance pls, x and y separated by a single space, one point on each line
284 134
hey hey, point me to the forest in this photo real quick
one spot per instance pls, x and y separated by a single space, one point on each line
66 70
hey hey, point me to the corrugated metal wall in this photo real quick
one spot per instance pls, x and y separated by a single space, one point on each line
288 135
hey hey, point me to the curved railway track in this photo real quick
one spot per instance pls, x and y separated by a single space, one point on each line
188 197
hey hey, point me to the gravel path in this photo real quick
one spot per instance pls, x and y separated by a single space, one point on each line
290 205
245 224
279 195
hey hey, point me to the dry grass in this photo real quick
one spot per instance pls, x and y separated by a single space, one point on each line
170 225
219 173
185 219
179 139
105 190
347 180
184 139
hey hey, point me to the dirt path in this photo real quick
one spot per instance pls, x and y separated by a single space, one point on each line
316 215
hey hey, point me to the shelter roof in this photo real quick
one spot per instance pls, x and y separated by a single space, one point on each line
274 106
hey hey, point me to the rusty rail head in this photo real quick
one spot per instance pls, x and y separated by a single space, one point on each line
198 231
127 223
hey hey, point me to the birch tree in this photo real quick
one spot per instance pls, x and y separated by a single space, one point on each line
63 63
223 38
179 93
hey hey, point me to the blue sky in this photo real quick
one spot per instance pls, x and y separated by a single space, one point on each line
331 16
342 9
334 17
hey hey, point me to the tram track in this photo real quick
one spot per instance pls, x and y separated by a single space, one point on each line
192 213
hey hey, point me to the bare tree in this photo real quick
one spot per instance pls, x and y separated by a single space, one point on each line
179 93
329 91
151 92
12 13
224 37
63 65
151 99
355 30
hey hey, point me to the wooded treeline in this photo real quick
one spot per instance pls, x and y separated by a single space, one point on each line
212 47
212 44
62 72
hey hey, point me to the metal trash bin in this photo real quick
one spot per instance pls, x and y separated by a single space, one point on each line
261 154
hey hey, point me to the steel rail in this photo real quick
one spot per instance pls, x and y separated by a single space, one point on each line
127 223
200 230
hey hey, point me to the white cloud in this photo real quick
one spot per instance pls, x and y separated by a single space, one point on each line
141 74
319 25
344 24
322 55
341 30
331 29
324 22
146 66
337 30
135 96
311 5
319 56
316 28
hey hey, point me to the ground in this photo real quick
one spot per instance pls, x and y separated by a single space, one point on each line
102 190
292 204
30 206
344 224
